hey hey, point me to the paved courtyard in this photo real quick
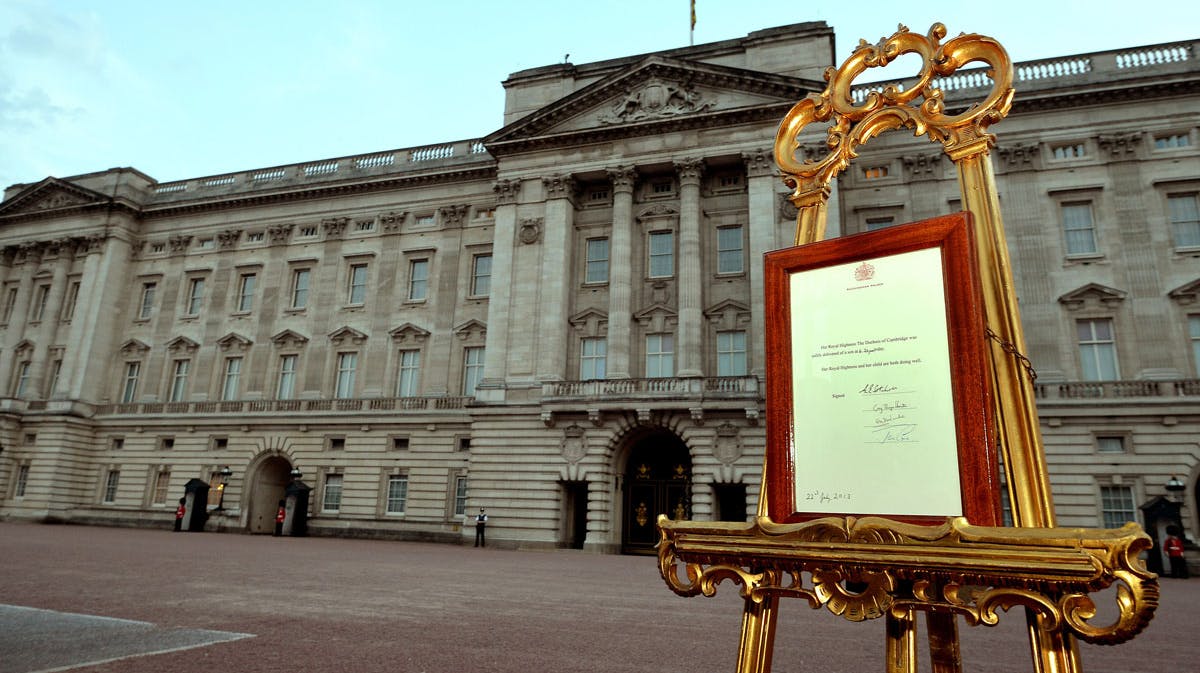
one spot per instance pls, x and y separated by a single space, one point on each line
139 601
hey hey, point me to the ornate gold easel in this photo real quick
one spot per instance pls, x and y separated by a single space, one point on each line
899 569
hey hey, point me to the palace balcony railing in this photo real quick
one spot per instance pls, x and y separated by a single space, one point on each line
1117 390
389 405
699 388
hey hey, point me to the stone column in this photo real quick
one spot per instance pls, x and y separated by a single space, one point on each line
688 265
491 388
26 259
555 278
620 273
94 332
764 237
60 252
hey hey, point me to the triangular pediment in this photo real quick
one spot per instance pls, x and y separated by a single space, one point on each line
182 344
289 339
129 348
1092 292
346 336
1186 294
471 329
409 333
654 91
49 195
233 341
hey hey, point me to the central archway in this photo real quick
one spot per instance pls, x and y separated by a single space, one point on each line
267 483
658 480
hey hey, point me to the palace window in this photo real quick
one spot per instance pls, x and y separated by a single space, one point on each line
877 223
1097 349
1079 230
410 373
110 486
162 483
729 250
875 172
418 279
472 369
331 500
397 494
1194 335
662 254
593 355
147 305
286 388
300 281
22 481
68 310
179 378
195 296
596 264
40 298
1069 151
1110 444
1168 141
356 291
10 302
232 380
130 382
731 353
1185 219
660 355
1116 506
460 496
55 372
246 292
347 364
481 276
21 383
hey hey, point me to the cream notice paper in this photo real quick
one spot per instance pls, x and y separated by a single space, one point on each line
873 402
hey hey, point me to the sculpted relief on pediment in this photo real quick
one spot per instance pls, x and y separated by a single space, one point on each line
657 99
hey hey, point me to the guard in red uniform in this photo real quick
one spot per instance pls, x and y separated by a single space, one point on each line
179 512
279 517
1173 545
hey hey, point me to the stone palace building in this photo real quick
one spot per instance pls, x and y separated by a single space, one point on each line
563 321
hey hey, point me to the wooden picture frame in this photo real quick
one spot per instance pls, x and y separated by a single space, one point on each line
878 402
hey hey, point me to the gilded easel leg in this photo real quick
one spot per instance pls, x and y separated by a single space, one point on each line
758 635
944 653
1053 651
902 643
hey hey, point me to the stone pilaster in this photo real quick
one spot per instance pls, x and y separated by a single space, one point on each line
764 237
620 273
555 272
26 264
59 254
500 299
93 329
690 329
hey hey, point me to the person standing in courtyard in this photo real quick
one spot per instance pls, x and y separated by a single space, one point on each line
1173 545
480 525
179 512
280 515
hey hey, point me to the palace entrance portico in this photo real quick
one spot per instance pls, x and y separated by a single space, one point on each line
268 476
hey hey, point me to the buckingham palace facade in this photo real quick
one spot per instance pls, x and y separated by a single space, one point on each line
563 321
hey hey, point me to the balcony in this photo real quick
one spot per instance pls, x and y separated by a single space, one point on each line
378 405
618 390
1119 390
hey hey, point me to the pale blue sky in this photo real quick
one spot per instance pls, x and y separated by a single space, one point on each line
188 89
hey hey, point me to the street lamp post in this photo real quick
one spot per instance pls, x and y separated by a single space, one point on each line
1175 489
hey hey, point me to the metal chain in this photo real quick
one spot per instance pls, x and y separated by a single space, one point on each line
1011 349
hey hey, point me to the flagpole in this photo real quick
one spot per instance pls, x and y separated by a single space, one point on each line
692 30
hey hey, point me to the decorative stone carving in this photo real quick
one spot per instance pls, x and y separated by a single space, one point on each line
234 342
574 444
289 340
697 414
690 170
228 238
471 330
178 244
559 186
506 191
334 227
787 210
759 163
727 445
1094 293
279 234
1020 156
623 178
409 333
344 336
182 345
531 230
392 221
925 166
1120 145
453 216
1186 294
657 99
56 198
658 211
131 348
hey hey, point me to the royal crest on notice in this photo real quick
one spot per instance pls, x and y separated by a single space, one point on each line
864 272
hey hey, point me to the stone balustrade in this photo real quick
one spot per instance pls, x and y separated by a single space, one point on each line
392 161
666 388
1053 72
275 407
1123 390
